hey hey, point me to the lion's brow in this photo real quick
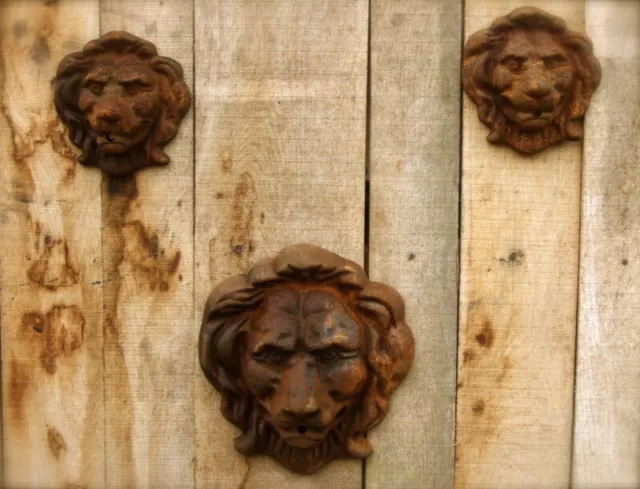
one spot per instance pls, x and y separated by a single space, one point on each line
97 76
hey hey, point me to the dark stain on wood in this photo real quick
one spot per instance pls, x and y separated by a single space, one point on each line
411 257
478 407
226 160
19 29
515 259
151 266
56 442
244 199
625 262
219 195
40 52
467 356
52 269
18 386
59 332
485 337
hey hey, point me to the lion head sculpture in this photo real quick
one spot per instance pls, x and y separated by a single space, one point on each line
306 352
121 102
531 79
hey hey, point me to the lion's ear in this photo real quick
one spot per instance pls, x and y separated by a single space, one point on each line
392 346
176 99
475 76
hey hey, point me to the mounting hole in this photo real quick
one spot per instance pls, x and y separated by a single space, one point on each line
302 429
110 137
537 113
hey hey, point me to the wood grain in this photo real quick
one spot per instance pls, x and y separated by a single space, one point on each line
518 294
606 449
50 268
148 255
280 125
414 143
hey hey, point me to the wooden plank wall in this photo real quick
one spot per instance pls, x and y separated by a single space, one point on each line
280 159
103 281
148 291
518 294
413 243
606 451
50 264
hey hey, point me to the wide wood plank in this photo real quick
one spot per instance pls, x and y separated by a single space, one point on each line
148 253
606 449
414 143
280 128
518 293
50 265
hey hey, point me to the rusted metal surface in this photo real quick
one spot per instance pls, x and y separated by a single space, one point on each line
531 78
121 102
306 352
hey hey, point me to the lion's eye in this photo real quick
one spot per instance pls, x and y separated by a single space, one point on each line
554 61
333 354
514 65
134 87
272 356
94 87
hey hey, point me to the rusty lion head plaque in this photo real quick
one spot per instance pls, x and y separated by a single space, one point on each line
531 79
121 102
306 352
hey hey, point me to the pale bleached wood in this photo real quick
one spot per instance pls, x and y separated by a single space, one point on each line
280 138
149 346
519 271
414 143
50 264
606 449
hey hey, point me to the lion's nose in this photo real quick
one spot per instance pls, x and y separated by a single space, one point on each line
302 408
109 116
538 90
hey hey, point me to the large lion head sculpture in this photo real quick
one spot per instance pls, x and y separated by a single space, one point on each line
121 102
531 79
306 352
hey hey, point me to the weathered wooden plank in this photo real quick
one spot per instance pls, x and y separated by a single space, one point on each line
606 449
414 143
281 92
148 254
50 268
519 270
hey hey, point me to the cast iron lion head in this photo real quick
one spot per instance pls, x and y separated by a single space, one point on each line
306 352
531 78
121 102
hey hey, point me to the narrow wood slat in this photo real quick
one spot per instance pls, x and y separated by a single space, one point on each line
50 265
414 143
519 271
280 138
148 229
606 449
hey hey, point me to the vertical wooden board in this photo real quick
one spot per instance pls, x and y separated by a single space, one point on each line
414 143
148 253
280 139
519 271
50 266
606 449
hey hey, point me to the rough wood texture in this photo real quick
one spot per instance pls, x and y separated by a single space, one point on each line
281 88
607 424
50 266
148 255
415 121
519 269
